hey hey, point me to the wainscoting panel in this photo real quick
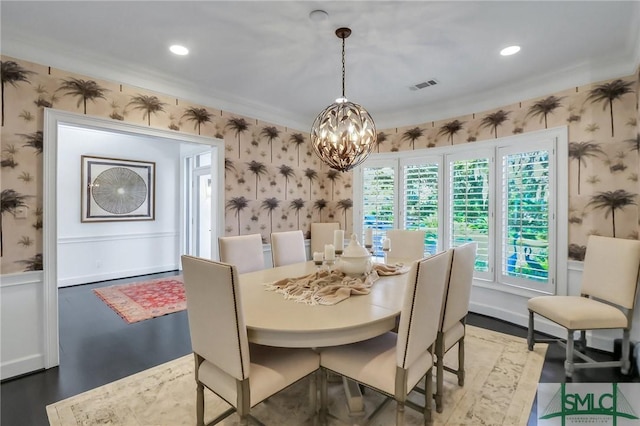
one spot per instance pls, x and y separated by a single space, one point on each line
97 258
21 323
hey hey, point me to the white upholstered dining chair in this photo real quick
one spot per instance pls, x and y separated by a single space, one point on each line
287 247
244 251
241 373
406 245
321 234
454 313
393 364
608 295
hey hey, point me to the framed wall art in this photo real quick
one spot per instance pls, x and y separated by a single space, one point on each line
117 189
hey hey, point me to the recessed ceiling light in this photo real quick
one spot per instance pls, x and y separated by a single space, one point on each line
179 50
318 15
510 50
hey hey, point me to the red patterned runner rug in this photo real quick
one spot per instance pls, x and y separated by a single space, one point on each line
145 300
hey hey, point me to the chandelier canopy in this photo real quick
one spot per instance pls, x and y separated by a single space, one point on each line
344 133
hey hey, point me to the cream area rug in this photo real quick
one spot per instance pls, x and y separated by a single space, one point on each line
500 386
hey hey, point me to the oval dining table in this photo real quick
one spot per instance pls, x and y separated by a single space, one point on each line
275 321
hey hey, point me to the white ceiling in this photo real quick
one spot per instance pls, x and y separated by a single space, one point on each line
268 60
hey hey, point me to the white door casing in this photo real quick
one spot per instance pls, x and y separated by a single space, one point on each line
52 120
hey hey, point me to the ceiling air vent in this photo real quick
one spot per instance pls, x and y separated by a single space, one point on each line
427 83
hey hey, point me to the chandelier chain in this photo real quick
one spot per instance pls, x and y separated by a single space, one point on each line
343 68
344 133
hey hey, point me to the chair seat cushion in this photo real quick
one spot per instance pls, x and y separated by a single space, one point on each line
272 369
578 313
374 362
453 335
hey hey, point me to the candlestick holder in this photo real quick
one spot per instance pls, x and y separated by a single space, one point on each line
329 264
386 252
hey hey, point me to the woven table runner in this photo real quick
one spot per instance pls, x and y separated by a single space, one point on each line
330 287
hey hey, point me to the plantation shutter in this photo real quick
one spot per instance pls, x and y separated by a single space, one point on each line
525 223
421 193
379 199
469 208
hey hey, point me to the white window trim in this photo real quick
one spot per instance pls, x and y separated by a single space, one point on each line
533 145
559 169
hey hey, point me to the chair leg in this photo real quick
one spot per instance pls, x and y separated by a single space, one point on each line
200 404
582 343
568 362
530 340
439 352
439 380
323 396
399 413
428 391
313 391
461 362
626 363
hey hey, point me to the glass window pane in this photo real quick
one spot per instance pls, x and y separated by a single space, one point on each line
203 159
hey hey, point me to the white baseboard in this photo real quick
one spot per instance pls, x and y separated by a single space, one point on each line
19 366
115 274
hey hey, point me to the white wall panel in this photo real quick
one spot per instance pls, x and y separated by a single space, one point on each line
21 323
90 259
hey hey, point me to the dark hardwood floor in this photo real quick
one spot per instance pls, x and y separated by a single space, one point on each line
98 347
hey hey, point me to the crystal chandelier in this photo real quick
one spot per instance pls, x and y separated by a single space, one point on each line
344 133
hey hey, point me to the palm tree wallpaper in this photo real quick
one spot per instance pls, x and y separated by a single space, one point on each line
580 151
84 90
450 129
273 181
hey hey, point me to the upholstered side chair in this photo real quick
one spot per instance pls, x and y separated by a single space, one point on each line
321 234
406 245
287 248
454 314
393 364
608 294
244 251
241 373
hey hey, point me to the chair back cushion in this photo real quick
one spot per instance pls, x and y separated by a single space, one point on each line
288 247
243 251
456 303
611 270
422 307
214 309
321 234
406 245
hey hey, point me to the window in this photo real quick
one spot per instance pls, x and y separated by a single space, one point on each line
526 204
421 191
470 209
500 194
379 201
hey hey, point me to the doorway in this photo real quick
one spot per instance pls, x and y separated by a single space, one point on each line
53 195
197 187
